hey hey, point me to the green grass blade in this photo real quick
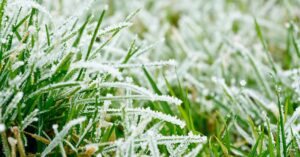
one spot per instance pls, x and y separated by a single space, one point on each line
270 143
80 32
92 41
3 4
281 124
265 46
253 151
165 107
48 35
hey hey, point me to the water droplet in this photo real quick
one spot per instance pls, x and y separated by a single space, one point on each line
243 83
278 88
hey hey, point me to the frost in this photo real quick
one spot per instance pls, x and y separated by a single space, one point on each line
244 134
107 102
55 86
143 91
243 83
12 105
129 79
153 145
278 89
17 65
3 41
106 6
31 4
148 112
195 151
292 119
88 127
29 119
166 140
153 64
114 28
147 48
98 67
59 136
2 128
32 29
180 149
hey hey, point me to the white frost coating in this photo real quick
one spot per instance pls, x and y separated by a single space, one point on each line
87 128
147 48
291 72
291 120
112 68
153 64
29 119
31 4
152 144
3 40
13 104
181 148
2 128
16 65
97 66
118 98
178 139
195 151
54 86
243 83
106 6
244 134
166 98
5 96
32 29
143 91
164 140
148 112
99 155
297 140
114 27
137 131
75 122
271 106
129 79
59 137
106 102
61 146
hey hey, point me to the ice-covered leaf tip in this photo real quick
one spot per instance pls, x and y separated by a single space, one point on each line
2 128
144 112
59 137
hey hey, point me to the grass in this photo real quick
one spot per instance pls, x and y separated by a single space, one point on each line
149 78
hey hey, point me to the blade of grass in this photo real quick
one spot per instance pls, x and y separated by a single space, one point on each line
80 32
3 4
253 151
270 143
131 51
295 44
165 107
281 123
92 42
187 107
223 147
48 35
265 46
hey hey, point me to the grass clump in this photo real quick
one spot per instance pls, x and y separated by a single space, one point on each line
62 95
149 78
